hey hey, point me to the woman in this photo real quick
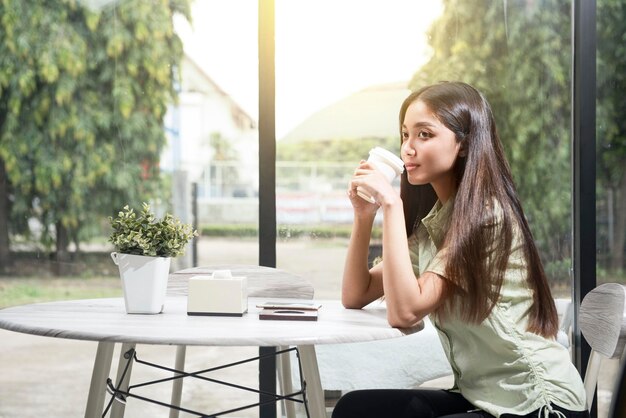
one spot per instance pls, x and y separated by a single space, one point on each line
469 262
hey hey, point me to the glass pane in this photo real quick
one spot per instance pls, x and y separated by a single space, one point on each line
123 103
85 90
219 134
105 103
518 54
339 92
610 163
611 140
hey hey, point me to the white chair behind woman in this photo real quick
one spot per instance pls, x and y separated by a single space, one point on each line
618 402
603 324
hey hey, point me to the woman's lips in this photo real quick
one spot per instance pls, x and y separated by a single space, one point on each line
410 167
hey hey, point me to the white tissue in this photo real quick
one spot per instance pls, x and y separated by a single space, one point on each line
222 274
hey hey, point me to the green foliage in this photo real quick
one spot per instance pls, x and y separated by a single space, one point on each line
611 131
286 231
223 150
14 292
144 234
611 276
517 54
83 94
611 81
559 271
230 230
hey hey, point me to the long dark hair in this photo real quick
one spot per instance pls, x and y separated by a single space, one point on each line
486 210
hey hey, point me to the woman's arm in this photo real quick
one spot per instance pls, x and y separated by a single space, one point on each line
360 286
408 300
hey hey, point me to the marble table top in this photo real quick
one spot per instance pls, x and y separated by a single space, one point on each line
106 320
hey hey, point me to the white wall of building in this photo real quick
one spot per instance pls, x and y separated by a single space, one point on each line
203 110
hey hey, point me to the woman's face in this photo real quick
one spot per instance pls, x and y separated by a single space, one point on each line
429 149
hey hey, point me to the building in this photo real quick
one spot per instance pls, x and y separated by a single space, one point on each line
207 127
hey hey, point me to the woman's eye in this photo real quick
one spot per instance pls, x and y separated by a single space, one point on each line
405 136
424 134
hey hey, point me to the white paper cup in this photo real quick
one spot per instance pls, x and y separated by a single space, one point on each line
385 161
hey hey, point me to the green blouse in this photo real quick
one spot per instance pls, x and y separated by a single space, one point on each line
498 365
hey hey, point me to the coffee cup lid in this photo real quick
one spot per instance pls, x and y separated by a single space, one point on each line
390 158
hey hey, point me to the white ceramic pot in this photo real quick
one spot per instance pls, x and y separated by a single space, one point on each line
144 282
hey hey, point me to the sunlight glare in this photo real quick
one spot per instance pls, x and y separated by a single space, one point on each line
325 49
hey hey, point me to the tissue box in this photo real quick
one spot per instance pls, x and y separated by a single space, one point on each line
220 294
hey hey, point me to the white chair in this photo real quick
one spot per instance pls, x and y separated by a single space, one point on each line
618 401
603 324
565 310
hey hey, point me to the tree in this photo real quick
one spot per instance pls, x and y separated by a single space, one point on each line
224 177
335 149
83 93
4 217
611 128
516 54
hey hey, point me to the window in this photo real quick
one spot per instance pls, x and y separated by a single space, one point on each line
339 91
105 103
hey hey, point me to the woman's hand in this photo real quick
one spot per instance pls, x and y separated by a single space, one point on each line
369 179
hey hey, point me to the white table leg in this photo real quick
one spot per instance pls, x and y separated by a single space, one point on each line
311 375
177 385
286 384
97 388
117 409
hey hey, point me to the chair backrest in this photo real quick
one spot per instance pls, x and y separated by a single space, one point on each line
603 324
263 282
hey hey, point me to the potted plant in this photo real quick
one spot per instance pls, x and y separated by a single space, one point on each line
144 246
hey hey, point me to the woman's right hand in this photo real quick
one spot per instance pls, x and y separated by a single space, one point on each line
368 177
360 205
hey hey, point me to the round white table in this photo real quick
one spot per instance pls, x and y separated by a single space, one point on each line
105 321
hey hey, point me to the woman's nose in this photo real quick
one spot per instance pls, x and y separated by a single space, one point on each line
407 149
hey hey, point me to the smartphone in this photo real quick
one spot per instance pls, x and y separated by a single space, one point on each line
289 314
305 306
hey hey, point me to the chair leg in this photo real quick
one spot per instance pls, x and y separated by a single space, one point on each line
177 385
117 409
283 367
591 377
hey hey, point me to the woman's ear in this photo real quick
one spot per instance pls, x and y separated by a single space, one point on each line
463 150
